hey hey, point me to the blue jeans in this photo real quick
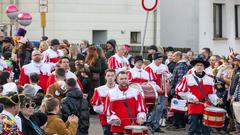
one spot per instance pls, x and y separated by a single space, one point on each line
196 125
106 130
157 112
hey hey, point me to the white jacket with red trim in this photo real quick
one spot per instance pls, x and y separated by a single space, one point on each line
118 63
115 108
98 100
43 69
50 56
136 75
156 72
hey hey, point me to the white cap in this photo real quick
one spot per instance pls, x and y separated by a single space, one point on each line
9 87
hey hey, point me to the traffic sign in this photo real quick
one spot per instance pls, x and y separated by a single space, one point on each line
149 5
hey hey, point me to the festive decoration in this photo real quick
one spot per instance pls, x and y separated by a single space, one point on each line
12 12
24 19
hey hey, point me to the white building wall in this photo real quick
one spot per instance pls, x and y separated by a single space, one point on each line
75 19
220 47
179 23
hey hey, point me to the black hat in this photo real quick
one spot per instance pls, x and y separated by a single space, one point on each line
112 42
200 60
7 40
138 58
157 56
153 47
55 42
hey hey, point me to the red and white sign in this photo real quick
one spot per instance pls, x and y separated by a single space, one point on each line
149 5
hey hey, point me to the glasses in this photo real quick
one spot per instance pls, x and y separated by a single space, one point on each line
32 104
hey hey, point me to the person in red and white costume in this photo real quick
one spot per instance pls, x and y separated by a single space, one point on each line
138 74
117 112
64 63
99 98
52 55
189 90
160 74
118 62
36 66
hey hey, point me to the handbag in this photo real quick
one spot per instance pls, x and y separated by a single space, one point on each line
95 76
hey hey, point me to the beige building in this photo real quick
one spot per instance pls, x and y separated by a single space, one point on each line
94 20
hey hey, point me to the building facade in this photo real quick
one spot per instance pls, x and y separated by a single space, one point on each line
93 20
197 24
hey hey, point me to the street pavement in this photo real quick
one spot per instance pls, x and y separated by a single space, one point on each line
95 128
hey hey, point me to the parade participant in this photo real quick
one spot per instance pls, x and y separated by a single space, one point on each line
53 54
99 98
36 66
197 98
159 73
124 106
138 74
118 61
8 123
64 63
58 89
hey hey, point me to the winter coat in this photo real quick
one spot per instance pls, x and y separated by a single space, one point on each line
74 103
56 125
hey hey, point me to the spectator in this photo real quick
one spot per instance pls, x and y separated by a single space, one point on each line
1 41
181 68
5 78
74 103
29 126
103 62
170 61
206 52
7 45
55 124
111 48
84 44
151 51
93 67
24 52
73 52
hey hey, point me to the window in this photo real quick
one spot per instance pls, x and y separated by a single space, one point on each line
217 20
237 21
135 37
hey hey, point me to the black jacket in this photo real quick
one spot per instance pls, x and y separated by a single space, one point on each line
27 127
74 103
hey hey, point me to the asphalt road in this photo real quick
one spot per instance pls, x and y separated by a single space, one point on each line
95 128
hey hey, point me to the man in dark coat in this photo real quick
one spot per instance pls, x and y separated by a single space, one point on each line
75 103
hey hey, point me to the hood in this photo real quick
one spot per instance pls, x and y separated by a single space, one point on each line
74 93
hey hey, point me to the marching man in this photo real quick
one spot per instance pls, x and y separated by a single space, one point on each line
99 97
160 74
197 99
124 106
52 55
118 62
36 66
138 74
